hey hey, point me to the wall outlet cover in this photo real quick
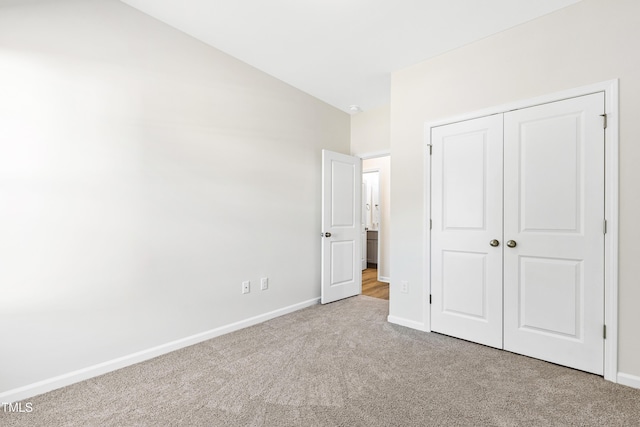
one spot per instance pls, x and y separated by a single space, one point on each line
404 287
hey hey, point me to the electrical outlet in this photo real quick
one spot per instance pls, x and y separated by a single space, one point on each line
404 287
264 283
246 287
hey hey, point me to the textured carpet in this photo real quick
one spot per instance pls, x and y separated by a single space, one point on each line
337 365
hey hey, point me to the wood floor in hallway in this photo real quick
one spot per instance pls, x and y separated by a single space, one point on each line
371 286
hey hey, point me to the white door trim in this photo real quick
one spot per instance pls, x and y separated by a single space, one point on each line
363 231
610 89
380 221
377 155
374 155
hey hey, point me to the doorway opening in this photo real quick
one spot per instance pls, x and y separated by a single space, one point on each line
371 286
375 220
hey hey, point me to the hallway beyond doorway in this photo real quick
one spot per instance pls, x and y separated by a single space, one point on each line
370 285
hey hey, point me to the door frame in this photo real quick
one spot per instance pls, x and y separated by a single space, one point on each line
363 227
610 89
375 155
374 170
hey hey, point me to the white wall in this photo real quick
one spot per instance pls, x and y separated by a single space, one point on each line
589 42
370 132
383 164
143 176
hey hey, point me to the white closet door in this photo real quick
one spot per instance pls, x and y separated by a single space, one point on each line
554 212
466 210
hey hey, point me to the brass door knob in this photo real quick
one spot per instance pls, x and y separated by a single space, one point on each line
327 234
494 243
511 243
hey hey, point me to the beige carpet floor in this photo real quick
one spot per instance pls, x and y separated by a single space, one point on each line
337 365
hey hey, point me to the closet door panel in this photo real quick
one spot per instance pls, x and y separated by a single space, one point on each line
554 212
466 213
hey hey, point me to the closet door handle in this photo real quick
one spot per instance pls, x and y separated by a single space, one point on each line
494 243
511 243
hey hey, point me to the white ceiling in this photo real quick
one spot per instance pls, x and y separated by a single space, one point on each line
342 51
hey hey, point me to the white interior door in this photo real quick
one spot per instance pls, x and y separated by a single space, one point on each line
466 214
341 274
554 213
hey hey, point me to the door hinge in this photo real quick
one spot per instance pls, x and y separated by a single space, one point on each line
430 224
604 331
429 298
604 120
430 149
604 227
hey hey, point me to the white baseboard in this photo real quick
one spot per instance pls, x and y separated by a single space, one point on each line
629 380
407 323
384 279
47 385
